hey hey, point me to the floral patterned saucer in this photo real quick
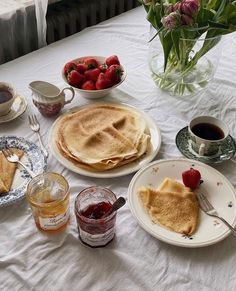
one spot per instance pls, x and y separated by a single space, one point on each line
226 152
33 158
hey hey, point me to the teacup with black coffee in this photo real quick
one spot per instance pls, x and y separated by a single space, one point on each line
206 134
7 96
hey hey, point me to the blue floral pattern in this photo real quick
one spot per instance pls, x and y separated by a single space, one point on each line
36 162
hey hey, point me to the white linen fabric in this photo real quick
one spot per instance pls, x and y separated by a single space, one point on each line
40 11
23 27
30 260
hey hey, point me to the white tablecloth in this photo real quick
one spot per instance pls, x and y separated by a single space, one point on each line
135 260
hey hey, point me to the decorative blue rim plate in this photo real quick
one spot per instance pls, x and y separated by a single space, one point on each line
226 152
33 158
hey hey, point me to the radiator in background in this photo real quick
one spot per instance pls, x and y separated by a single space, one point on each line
64 18
68 17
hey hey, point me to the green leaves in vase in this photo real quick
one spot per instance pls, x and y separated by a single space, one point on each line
179 24
190 19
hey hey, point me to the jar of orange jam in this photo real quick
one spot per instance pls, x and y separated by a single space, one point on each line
48 197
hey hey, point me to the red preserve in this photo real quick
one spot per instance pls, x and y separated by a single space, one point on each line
96 222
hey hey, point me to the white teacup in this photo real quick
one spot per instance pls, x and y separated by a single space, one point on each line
7 97
207 134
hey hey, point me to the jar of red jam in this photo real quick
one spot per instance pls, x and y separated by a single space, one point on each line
95 220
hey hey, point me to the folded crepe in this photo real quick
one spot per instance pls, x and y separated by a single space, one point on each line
176 210
7 171
171 185
102 137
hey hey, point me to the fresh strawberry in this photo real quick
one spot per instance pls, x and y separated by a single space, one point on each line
191 178
75 79
114 73
91 63
92 74
103 68
88 85
112 60
103 82
81 68
69 67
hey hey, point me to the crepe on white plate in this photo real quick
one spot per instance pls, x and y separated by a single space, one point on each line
216 187
99 140
172 205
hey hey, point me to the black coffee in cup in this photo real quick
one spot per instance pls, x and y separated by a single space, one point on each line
208 131
5 95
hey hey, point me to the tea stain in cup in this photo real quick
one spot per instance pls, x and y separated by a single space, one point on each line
208 131
5 95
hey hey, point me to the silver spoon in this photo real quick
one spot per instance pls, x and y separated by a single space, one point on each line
115 206
118 204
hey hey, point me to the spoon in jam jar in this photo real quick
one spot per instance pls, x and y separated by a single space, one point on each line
115 206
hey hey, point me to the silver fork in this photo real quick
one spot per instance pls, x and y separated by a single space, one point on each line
13 158
206 206
35 126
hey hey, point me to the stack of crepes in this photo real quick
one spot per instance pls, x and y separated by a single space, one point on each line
102 137
172 205
7 171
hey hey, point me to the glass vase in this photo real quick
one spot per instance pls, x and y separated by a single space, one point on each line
188 73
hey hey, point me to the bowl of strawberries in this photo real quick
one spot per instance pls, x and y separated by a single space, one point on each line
94 76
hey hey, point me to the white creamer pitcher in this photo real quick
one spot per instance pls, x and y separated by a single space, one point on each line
48 98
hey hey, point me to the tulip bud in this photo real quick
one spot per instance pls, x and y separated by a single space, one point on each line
147 2
170 21
186 19
168 8
177 6
189 6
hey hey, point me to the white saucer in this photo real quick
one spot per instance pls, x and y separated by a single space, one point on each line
18 108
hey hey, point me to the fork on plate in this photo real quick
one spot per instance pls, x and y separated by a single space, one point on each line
35 126
207 207
13 158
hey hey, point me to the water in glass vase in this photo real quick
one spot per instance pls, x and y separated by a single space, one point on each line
188 73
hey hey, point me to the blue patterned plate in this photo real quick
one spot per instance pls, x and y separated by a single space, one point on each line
33 158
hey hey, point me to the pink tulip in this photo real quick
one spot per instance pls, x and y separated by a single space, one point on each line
168 8
170 21
186 19
189 6
177 6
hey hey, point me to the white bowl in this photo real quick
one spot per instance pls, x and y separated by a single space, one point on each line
93 94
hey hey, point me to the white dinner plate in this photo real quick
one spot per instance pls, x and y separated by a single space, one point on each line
155 143
216 187
33 158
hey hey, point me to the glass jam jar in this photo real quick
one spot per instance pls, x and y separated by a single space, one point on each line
48 197
96 222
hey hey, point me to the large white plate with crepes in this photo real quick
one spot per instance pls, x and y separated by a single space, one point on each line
215 186
33 158
155 143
